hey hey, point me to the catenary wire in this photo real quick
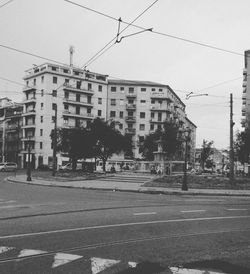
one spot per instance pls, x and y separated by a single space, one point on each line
160 33
91 60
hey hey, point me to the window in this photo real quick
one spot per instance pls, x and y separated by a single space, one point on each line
41 132
54 93
141 139
53 119
99 101
159 127
112 113
41 106
142 127
89 99
152 127
160 102
130 113
152 101
34 82
120 126
160 89
143 101
77 110
54 80
113 89
66 95
53 68
66 107
121 88
143 89
66 121
78 96
89 86
41 145
131 90
113 102
100 88
99 112
130 125
54 106
159 117
121 102
42 92
153 89
121 114
152 115
78 84
89 110
27 83
142 115
131 101
42 79
41 119
66 81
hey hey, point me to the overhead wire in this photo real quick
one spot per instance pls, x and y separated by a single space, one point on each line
8 2
158 32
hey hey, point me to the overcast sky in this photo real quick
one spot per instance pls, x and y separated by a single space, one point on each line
47 28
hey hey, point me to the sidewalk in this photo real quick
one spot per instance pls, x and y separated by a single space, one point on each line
127 187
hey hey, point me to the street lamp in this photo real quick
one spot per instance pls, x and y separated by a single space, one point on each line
187 138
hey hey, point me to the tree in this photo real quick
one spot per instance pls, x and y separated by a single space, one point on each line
170 137
77 143
107 140
242 146
206 152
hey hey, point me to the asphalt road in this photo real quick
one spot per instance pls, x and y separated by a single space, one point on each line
57 230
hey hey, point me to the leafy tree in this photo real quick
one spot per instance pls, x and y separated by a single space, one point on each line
170 137
107 140
242 146
77 143
206 152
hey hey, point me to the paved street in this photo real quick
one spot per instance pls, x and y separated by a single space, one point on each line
60 230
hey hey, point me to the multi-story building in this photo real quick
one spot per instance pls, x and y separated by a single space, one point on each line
141 107
246 92
75 95
10 130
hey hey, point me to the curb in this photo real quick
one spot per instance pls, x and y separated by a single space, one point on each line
143 191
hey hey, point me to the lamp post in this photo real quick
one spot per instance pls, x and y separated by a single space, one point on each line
29 167
184 182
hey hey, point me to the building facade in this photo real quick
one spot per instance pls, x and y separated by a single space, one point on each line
245 122
73 97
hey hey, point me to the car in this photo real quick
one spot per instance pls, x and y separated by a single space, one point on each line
69 166
8 166
43 167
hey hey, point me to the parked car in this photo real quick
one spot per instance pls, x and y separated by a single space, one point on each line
69 166
9 166
45 167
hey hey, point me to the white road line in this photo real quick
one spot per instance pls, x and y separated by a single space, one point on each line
124 225
7 202
144 213
191 211
234 209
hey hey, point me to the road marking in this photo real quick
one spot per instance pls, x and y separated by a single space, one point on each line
99 264
234 209
124 225
4 249
180 270
64 258
190 211
144 213
30 252
7 202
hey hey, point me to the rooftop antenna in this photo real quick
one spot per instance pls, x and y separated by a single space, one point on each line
71 51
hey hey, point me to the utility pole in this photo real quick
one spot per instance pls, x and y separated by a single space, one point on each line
54 142
231 153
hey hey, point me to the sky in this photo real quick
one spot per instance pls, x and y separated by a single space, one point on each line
48 28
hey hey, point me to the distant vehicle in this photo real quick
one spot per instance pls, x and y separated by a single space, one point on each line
9 166
69 166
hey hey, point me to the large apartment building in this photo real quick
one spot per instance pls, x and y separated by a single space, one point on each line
246 92
141 107
76 96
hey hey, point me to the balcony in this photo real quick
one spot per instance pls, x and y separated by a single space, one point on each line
131 106
156 121
29 88
28 138
29 112
131 95
30 100
129 130
30 125
130 119
72 102
75 115
68 87
244 84
160 107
